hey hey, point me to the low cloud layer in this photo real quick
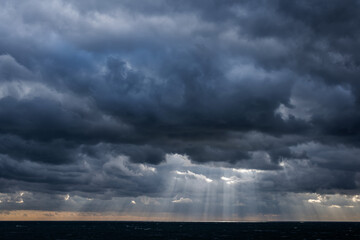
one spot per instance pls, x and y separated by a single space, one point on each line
152 100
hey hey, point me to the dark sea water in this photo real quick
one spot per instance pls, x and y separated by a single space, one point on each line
178 230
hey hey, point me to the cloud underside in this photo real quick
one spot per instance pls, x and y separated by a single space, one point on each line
125 99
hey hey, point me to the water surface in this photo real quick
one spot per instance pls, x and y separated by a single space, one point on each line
179 230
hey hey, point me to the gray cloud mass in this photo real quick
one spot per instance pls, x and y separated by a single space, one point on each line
105 99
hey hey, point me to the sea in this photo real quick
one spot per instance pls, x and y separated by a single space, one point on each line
179 230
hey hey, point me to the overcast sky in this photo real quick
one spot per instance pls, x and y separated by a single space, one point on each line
180 110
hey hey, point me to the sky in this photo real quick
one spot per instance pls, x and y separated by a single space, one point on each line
180 110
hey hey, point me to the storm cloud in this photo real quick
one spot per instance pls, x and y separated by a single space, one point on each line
176 103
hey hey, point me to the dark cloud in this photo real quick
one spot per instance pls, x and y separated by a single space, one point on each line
95 96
